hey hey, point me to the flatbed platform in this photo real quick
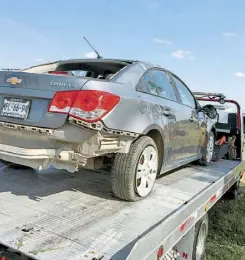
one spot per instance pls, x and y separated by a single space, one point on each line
56 215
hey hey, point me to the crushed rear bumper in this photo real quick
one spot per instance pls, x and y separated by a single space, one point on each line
42 158
67 148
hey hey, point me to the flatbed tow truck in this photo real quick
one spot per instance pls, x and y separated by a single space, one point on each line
54 215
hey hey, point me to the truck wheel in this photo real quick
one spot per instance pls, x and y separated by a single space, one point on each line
133 174
234 192
209 150
200 237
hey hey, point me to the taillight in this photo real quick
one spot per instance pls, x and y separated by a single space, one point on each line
160 253
63 101
87 105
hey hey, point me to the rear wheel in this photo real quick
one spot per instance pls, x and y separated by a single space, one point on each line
133 174
208 151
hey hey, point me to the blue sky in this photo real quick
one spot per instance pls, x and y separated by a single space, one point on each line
201 41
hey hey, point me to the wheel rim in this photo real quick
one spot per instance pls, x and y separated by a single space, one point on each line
201 241
210 148
146 171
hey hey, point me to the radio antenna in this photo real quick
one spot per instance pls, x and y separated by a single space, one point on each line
98 56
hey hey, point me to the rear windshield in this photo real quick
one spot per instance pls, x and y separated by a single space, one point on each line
41 69
88 68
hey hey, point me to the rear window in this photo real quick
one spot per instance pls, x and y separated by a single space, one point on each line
41 69
99 69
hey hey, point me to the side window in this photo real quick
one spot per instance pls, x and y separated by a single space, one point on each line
150 83
186 97
146 84
163 85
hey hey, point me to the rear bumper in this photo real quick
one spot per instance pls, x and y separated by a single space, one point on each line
26 153
42 158
65 148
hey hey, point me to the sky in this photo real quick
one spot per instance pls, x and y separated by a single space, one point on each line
203 42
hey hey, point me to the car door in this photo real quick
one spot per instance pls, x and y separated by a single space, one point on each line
190 116
171 114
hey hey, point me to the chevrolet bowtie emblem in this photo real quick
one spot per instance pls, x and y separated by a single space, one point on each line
14 80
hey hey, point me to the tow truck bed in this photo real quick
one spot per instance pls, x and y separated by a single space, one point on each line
52 215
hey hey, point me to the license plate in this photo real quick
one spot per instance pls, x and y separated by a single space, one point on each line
15 107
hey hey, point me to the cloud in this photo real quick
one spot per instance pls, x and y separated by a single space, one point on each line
162 41
229 34
182 54
90 55
240 74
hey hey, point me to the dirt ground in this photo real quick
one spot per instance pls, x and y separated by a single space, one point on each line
226 240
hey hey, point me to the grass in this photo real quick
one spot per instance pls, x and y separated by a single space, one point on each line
226 240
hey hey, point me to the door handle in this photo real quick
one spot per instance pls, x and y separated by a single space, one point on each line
167 111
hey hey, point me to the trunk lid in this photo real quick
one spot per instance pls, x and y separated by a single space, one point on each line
25 97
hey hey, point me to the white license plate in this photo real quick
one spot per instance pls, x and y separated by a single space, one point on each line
15 107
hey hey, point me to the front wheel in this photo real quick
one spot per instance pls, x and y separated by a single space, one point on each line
208 151
133 174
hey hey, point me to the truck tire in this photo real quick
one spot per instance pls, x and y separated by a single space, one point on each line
234 191
133 174
208 151
200 237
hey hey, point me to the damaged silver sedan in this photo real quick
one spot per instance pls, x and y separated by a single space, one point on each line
134 117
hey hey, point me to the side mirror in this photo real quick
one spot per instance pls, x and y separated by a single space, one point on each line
210 111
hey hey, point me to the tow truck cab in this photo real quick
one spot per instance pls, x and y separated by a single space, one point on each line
231 120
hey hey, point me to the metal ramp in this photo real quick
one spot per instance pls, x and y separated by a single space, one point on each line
56 215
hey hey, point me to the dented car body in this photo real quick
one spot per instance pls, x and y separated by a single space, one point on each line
77 113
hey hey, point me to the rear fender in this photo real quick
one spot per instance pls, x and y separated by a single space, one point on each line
162 143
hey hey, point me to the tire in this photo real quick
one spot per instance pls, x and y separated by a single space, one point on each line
208 151
216 153
234 192
127 180
200 237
